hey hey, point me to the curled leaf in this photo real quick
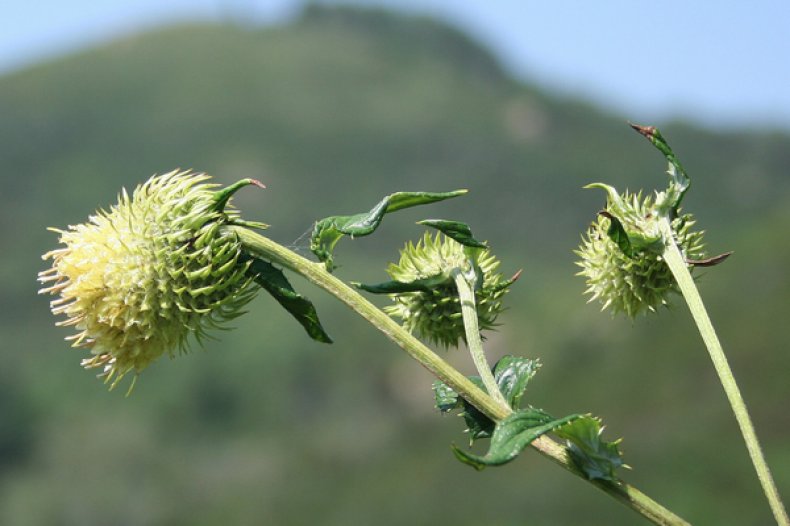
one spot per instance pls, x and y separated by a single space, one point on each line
328 231
222 197
513 434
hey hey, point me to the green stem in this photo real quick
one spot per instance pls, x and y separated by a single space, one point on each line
465 285
677 264
263 247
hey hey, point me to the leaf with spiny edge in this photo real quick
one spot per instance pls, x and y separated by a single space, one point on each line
445 397
597 459
478 425
512 374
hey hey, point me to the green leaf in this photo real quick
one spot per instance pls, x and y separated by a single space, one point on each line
328 231
630 241
445 397
679 181
274 281
221 197
455 230
512 374
399 287
618 235
478 425
595 458
513 434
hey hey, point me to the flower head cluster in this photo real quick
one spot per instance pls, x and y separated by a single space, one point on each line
435 314
136 280
639 281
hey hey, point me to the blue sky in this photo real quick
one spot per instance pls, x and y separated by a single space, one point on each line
722 64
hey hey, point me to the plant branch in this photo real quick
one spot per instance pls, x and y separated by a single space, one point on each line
677 265
466 295
263 247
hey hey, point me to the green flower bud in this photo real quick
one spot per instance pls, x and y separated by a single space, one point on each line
640 281
436 314
136 280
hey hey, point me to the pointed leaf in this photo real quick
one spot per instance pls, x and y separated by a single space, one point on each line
398 287
511 435
274 281
328 231
679 181
455 230
630 242
709 262
594 457
221 197
512 374
617 234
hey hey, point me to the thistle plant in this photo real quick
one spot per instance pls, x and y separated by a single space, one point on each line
638 252
637 279
137 280
174 260
435 313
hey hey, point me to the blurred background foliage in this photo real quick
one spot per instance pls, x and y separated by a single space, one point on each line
334 110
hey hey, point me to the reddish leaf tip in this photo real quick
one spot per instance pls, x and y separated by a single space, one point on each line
647 131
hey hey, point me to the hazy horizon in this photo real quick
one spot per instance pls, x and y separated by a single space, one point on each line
724 68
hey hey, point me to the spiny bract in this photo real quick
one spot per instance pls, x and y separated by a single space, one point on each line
136 280
436 315
640 282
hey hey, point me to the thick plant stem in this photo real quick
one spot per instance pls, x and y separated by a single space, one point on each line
466 294
677 264
263 247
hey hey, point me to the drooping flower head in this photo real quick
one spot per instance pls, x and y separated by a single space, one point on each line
137 280
622 253
435 313
639 281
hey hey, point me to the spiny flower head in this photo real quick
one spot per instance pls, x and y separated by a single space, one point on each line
137 280
640 281
436 314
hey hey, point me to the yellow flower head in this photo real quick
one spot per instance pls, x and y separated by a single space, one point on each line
136 280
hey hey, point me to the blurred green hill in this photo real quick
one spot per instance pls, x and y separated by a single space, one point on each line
332 111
